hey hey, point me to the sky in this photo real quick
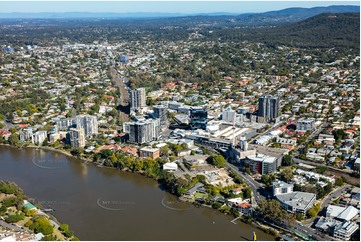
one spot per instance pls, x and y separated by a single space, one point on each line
160 6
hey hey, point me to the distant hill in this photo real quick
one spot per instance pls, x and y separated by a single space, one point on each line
279 17
327 30
71 15
102 15
324 30
290 15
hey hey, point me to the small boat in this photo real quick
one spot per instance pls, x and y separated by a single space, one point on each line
48 210
254 236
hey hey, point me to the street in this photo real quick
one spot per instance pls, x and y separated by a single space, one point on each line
305 227
10 226
334 194
255 186
309 232
123 100
299 228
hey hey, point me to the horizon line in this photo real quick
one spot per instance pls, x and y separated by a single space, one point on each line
170 12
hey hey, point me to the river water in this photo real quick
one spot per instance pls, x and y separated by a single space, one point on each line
107 204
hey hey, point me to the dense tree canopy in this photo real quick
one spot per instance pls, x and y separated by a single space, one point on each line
217 160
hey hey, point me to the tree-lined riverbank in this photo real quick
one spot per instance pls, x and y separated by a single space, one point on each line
133 200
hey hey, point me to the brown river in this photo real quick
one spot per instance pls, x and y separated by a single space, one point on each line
107 204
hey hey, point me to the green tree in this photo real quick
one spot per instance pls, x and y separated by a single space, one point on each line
68 233
31 108
216 205
217 160
164 150
302 110
271 210
234 212
299 216
287 174
247 193
339 181
201 178
287 160
268 179
321 169
14 139
42 225
3 210
339 134
10 188
63 227
15 218
314 211
30 213
12 201
49 238
297 187
76 152
45 143
106 153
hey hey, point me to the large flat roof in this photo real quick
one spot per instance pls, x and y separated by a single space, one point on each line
269 151
298 200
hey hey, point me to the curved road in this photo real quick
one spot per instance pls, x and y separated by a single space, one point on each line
255 186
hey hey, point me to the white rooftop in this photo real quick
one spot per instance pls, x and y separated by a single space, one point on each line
236 200
342 213
349 213
170 166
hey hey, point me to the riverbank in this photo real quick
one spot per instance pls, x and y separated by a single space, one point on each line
64 152
170 185
80 192
167 185
24 219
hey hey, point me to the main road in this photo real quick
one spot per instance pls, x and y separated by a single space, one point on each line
123 100
299 228
254 185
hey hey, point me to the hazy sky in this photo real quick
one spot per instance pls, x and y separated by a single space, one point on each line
160 6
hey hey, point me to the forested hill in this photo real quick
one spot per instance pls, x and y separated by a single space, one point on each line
339 30
291 15
324 30
327 30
